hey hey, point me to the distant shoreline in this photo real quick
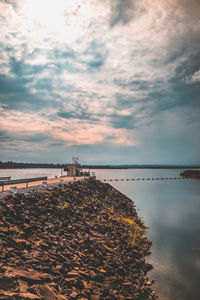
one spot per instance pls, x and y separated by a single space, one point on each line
15 165
139 167
115 167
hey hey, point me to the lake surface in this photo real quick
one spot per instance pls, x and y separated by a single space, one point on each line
171 210
31 173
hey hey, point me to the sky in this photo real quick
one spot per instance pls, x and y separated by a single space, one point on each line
110 82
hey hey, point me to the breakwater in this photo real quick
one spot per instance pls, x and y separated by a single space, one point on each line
74 241
191 174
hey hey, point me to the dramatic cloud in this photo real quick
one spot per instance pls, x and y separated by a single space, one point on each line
108 77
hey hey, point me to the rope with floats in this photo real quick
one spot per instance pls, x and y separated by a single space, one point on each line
144 179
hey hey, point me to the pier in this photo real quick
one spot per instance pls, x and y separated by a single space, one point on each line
13 185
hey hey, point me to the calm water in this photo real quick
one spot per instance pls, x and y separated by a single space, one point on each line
171 209
31 173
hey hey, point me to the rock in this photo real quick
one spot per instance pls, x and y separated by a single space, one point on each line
4 229
86 275
102 271
23 286
7 295
74 293
73 273
46 292
85 284
62 297
22 296
7 283
92 274
28 296
72 242
147 267
29 276
148 283
95 297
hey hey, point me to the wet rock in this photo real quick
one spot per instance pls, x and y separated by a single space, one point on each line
147 267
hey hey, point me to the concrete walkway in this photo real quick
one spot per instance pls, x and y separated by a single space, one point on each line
38 183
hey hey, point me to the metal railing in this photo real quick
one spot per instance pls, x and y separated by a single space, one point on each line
18 181
5 178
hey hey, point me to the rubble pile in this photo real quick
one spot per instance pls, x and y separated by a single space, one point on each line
73 241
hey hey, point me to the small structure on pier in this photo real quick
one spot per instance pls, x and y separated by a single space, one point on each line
73 169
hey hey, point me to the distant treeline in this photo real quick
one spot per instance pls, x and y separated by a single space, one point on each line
140 166
15 165
103 167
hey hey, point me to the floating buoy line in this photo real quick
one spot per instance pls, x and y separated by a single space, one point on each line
144 179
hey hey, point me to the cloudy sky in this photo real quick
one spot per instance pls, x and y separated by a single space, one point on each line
110 81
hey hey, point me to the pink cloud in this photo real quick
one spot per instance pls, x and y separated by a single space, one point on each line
71 132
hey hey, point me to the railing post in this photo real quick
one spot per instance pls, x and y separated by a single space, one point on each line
44 184
13 189
27 184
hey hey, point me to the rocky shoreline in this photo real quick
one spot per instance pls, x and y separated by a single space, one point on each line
191 174
73 241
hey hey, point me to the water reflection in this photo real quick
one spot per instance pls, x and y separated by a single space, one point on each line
172 211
